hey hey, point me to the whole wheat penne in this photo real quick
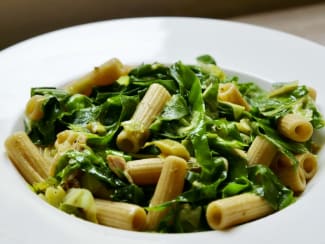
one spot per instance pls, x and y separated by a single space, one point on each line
34 108
117 164
261 151
290 175
120 215
136 130
295 127
308 162
145 171
230 211
293 177
26 157
170 185
229 92
105 74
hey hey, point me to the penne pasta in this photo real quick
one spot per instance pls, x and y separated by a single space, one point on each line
230 211
145 171
295 127
170 185
261 151
199 151
228 92
290 175
105 74
120 215
27 158
136 130
308 163
34 108
294 178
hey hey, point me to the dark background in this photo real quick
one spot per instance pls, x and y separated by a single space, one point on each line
22 19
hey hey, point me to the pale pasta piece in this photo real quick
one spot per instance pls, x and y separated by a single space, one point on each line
34 108
294 178
229 92
170 185
26 157
145 171
261 151
105 74
120 215
136 130
308 162
289 174
295 127
117 164
238 209
141 172
281 161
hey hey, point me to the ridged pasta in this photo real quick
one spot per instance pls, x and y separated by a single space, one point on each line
27 158
261 151
136 130
290 175
230 211
145 171
308 163
34 108
120 215
228 92
105 74
295 127
170 185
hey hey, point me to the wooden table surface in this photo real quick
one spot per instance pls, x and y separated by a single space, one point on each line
307 22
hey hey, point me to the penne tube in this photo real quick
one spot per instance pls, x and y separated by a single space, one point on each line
308 163
293 177
105 74
230 211
261 151
117 164
228 92
280 161
136 130
120 215
145 171
170 185
290 175
34 108
295 127
27 158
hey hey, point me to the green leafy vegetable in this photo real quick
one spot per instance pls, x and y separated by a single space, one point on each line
216 133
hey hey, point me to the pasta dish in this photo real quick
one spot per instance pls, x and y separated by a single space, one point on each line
168 148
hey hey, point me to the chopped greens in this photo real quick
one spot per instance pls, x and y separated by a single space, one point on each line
217 135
